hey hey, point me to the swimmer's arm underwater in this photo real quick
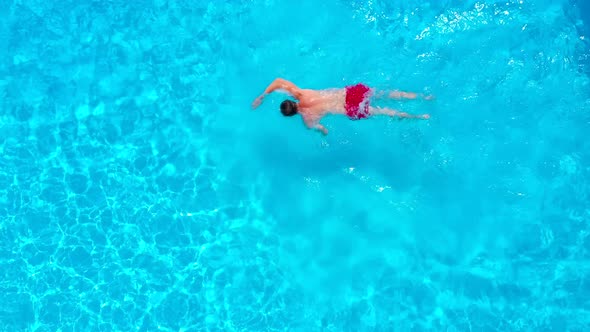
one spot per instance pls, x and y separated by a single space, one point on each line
315 125
278 84
321 128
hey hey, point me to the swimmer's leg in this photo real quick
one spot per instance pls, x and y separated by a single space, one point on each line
394 113
398 95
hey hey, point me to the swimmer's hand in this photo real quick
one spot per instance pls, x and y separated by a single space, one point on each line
257 102
314 125
321 129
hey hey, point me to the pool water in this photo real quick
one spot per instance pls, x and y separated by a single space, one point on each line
139 191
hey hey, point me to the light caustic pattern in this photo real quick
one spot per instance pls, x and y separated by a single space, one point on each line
139 192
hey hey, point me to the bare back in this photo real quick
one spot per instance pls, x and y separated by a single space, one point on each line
314 104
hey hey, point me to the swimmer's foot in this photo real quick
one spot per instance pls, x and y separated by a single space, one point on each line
425 116
425 97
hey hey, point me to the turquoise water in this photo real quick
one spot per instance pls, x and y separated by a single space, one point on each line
138 191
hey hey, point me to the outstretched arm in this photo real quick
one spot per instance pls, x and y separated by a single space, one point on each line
278 84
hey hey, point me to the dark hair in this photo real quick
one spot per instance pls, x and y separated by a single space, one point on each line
288 108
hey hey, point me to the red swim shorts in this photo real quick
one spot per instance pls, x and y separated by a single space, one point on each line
357 101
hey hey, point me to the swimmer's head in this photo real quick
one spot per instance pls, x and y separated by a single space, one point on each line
288 108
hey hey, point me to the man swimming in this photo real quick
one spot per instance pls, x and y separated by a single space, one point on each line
352 101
